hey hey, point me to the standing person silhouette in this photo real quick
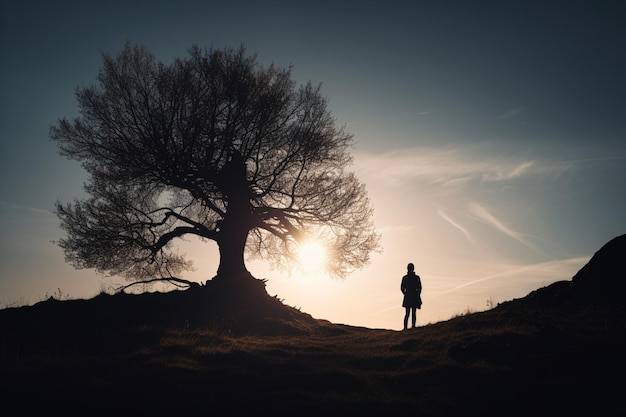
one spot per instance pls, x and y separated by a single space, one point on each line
411 287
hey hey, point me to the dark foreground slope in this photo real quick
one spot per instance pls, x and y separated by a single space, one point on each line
234 350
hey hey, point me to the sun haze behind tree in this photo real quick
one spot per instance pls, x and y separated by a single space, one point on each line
212 145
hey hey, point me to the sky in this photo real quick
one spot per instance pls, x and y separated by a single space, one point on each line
490 136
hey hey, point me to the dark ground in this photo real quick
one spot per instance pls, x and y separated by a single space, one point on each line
226 349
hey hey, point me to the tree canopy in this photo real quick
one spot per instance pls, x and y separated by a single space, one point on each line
213 145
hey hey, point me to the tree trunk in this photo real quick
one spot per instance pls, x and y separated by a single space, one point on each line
232 244
236 224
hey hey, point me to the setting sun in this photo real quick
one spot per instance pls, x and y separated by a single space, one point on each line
312 257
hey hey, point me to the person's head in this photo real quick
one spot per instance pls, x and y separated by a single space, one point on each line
410 267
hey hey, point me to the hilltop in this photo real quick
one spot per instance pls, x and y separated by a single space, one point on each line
235 350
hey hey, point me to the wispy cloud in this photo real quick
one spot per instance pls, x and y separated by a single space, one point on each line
24 208
450 167
511 113
482 214
510 172
546 272
447 218
396 229
478 212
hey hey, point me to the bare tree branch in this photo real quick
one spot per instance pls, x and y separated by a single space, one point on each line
212 145
180 282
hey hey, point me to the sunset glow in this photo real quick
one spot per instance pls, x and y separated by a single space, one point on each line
312 257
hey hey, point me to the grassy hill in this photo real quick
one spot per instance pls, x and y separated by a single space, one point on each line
231 349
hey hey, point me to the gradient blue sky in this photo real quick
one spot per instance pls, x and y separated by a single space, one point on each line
490 136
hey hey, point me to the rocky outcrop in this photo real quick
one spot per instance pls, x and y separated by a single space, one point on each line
603 278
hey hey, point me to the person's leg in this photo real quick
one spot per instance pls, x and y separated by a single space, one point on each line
406 317
414 318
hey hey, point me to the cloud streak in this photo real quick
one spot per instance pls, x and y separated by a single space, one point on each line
554 270
482 214
447 218
511 113
25 208
449 167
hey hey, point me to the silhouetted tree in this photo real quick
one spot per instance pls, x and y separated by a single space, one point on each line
214 145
